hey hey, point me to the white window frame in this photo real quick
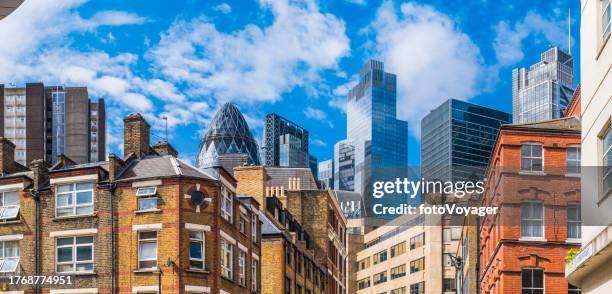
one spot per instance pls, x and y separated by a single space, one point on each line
543 220
607 151
606 24
148 192
242 267
148 240
533 288
242 223
254 222
4 258
6 209
227 205
74 246
202 242
576 161
227 248
254 283
575 222
73 195
531 157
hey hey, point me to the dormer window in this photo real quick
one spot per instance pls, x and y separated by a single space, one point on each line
9 206
74 199
147 198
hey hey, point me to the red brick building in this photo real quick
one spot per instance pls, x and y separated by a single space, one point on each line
533 179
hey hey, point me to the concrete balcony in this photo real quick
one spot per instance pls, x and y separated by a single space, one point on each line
592 257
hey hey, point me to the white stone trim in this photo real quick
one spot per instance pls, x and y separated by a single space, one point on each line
146 183
196 289
227 237
137 289
176 166
11 237
75 179
255 256
242 209
227 183
12 292
73 232
69 291
242 247
221 291
12 187
197 227
145 227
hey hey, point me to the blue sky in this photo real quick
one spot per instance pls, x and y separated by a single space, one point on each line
182 59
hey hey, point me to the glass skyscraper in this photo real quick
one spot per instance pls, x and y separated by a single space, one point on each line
543 91
457 139
378 139
228 142
285 143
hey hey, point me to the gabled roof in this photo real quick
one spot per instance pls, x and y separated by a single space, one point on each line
153 166
268 227
565 124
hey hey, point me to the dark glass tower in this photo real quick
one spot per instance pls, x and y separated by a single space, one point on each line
285 143
378 139
457 139
228 141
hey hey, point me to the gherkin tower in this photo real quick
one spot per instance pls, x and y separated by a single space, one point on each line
228 142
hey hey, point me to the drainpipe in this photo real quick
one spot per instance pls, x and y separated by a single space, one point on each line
111 197
36 196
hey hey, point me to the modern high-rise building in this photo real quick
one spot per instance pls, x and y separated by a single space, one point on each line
456 140
285 143
542 91
228 142
379 139
344 166
326 174
44 122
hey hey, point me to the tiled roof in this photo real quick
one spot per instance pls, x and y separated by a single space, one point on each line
267 226
566 123
159 167
279 176
102 164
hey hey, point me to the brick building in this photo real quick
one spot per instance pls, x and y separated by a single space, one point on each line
533 179
144 223
291 198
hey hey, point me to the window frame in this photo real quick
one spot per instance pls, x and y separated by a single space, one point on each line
254 275
606 25
532 288
543 219
227 205
4 256
202 242
531 157
73 195
74 248
577 222
4 207
606 151
148 240
577 166
147 196
227 272
254 223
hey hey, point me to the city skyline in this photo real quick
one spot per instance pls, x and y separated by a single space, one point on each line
140 77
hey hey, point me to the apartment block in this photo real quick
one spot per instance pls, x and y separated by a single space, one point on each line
591 269
401 257
46 121
144 223
533 178
291 197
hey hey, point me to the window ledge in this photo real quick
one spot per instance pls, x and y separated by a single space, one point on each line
69 217
10 222
197 270
528 239
573 241
157 210
93 273
147 271
227 279
532 173
572 175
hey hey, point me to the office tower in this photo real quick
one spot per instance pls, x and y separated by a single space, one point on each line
97 115
542 91
285 143
313 164
457 138
344 166
44 122
228 142
326 174
378 139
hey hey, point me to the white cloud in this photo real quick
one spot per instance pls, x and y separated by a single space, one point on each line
358 2
113 18
314 113
338 103
223 8
255 64
318 142
432 58
509 38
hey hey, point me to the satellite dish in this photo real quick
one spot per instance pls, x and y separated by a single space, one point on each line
197 198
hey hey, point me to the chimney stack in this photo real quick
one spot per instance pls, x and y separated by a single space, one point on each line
136 135
164 148
7 155
40 171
